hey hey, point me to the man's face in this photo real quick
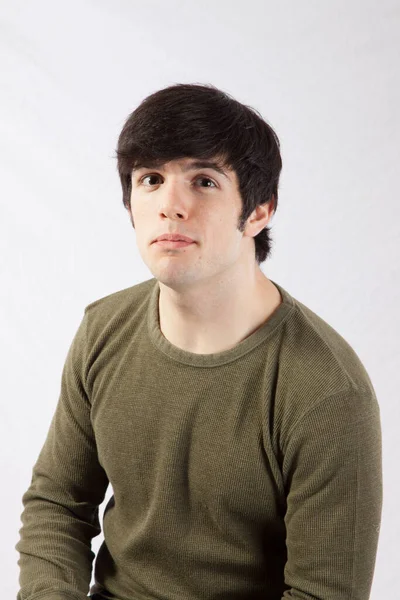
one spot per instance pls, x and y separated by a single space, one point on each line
200 203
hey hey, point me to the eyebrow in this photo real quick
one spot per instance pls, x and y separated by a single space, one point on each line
198 164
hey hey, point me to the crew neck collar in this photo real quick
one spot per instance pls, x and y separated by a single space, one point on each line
217 358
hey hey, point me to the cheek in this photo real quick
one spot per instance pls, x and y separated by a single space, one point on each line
143 222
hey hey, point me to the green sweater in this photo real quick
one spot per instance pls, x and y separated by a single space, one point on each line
253 473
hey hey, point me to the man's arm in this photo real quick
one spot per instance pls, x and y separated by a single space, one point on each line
61 505
332 471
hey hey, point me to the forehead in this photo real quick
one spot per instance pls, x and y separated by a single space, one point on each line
186 165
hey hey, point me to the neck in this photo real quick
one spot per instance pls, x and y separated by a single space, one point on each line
218 319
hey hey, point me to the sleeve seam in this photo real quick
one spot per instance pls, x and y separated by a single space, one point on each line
344 391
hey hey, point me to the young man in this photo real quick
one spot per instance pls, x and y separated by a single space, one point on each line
239 431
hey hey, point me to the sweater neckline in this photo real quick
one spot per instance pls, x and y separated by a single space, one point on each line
217 358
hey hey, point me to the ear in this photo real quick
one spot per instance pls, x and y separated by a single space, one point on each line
259 218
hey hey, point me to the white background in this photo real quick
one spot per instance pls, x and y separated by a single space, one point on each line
325 75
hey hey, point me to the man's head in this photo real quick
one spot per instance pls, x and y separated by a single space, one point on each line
167 133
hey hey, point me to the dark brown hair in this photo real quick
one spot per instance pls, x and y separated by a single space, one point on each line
200 121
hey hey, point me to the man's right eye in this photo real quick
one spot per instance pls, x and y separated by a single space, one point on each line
145 176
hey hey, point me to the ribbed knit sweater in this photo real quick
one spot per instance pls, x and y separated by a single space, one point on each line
252 473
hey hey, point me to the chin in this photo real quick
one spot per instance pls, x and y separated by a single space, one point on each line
175 278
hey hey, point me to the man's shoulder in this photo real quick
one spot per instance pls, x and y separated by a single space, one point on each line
106 317
316 362
121 299
321 342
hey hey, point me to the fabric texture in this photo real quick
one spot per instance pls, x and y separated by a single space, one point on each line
253 473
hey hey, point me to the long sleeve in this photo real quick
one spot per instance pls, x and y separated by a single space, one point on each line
332 471
61 505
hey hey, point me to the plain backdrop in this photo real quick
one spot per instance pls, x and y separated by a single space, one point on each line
325 75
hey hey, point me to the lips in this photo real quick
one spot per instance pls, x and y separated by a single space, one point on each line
173 244
173 237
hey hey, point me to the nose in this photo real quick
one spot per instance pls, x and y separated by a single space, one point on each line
174 200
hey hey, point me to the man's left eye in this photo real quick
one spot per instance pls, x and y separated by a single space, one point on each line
207 179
